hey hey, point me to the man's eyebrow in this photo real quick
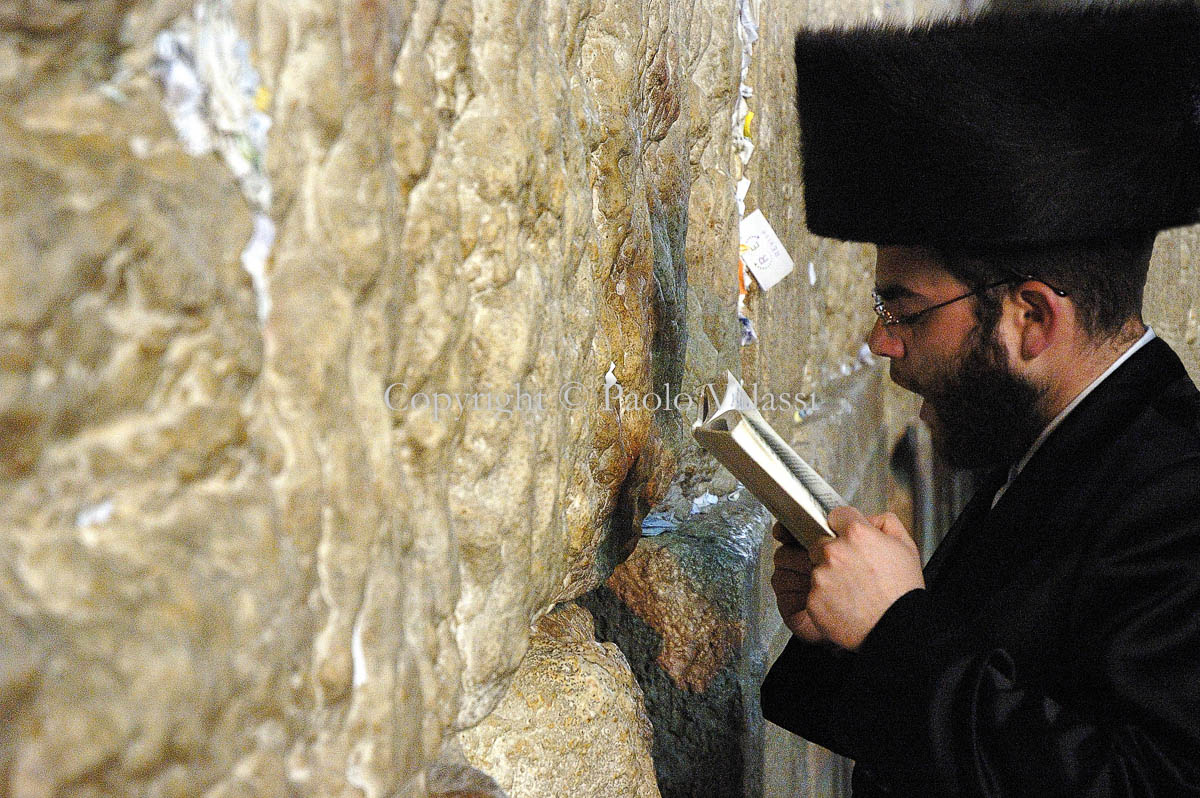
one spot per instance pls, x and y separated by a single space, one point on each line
890 291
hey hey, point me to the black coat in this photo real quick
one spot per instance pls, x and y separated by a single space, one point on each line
1056 648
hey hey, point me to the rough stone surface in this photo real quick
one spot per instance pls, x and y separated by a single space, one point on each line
811 330
685 585
229 567
572 722
1172 301
683 609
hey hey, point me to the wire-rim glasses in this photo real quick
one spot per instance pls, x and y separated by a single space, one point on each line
890 319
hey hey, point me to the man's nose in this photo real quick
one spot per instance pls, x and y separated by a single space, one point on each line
884 342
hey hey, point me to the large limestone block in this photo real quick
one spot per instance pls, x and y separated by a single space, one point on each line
685 585
572 724
526 232
150 612
229 566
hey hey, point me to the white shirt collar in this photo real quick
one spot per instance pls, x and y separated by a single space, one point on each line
1146 338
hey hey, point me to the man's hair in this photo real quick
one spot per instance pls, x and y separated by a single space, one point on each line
1104 278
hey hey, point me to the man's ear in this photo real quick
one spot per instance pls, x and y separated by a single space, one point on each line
1039 317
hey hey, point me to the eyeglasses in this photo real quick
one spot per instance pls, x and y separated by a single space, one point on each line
890 319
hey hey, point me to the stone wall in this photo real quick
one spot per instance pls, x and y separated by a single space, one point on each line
301 432
1172 302
811 328
313 312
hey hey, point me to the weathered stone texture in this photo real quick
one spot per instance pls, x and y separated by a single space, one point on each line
572 723
700 633
1172 301
684 609
229 567
812 324
142 582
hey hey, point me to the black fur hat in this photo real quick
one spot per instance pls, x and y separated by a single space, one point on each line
1003 129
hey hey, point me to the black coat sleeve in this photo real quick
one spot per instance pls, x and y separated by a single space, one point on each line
936 719
803 693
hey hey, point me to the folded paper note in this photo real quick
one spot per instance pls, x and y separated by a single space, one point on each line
763 252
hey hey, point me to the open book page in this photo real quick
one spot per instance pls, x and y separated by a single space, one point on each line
742 441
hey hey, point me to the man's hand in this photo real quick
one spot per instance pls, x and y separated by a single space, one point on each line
856 576
791 583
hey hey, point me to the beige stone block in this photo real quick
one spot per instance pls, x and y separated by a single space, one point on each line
229 566
572 722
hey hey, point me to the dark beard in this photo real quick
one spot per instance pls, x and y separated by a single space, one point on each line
987 415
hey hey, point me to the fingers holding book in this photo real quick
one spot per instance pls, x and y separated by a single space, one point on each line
837 590
791 581
857 576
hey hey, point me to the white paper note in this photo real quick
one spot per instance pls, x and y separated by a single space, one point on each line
763 252
743 186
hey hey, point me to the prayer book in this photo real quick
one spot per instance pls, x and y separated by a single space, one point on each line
736 434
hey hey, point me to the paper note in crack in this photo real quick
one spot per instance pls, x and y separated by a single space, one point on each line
763 252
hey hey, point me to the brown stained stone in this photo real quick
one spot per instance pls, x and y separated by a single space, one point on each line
572 722
698 638
683 610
